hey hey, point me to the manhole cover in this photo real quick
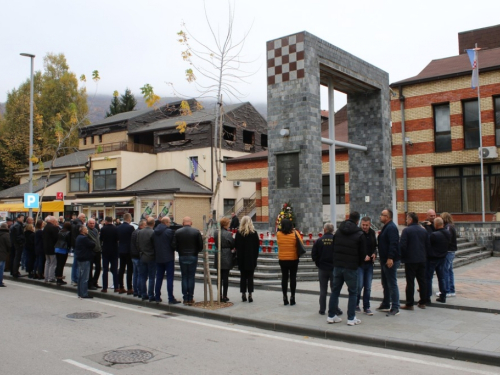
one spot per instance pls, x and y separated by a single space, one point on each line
128 356
84 315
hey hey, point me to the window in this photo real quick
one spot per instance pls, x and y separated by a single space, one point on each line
442 129
85 141
340 186
77 182
471 124
229 133
496 108
224 173
105 179
100 138
229 206
173 137
92 139
458 189
248 137
263 140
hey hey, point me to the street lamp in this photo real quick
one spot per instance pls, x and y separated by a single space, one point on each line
32 57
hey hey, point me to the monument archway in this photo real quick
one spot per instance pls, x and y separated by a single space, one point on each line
297 65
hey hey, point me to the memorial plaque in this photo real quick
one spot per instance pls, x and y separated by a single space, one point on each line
287 170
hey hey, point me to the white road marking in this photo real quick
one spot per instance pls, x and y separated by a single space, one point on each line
286 339
85 367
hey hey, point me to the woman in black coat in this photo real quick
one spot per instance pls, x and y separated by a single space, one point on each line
29 245
39 253
247 250
225 252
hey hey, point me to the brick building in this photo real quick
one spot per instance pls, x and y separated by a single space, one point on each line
435 116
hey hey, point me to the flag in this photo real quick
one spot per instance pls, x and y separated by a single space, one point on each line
475 69
194 168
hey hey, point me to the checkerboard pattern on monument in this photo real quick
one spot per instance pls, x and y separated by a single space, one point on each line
285 59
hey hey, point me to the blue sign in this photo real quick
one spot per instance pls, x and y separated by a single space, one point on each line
31 200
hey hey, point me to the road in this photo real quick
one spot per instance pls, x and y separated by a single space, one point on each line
39 338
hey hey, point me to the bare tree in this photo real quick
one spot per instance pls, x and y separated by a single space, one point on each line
219 65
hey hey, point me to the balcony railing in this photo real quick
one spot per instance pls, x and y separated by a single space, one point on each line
124 146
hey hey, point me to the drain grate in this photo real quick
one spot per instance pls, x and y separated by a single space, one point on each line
84 315
128 356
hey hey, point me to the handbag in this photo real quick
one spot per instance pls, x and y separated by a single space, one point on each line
300 247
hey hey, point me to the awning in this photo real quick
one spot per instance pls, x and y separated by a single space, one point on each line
102 200
54 206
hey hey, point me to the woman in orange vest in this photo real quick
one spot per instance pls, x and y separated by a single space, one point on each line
288 259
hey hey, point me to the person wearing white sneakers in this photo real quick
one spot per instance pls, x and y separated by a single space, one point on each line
349 252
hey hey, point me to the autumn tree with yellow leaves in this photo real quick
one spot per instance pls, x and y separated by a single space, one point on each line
60 109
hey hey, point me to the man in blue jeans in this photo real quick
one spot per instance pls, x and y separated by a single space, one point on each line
365 272
414 246
84 254
165 260
436 259
349 252
188 243
75 231
390 260
136 260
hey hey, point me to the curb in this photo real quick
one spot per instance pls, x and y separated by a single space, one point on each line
439 305
417 347
486 310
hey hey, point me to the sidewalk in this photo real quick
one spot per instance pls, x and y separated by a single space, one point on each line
444 332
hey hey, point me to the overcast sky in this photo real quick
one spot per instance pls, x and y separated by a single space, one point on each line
132 43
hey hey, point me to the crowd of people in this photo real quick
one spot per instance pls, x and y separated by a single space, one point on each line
348 256
145 255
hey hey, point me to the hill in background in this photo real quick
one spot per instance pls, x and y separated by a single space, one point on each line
99 105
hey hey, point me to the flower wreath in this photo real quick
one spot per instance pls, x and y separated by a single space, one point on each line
286 212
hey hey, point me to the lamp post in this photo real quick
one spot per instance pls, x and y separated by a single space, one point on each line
32 57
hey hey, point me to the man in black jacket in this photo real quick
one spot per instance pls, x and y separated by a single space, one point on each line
390 259
109 240
5 248
365 271
165 259
188 243
93 234
235 222
125 231
348 254
136 260
414 246
322 255
17 240
75 232
84 254
436 257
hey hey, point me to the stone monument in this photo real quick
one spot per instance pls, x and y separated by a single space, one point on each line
296 67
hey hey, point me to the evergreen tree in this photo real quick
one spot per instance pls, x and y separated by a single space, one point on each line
127 101
115 106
